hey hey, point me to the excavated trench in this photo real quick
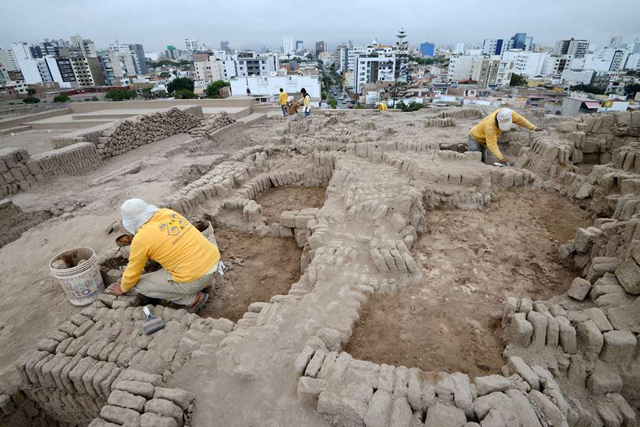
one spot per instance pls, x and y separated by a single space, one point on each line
450 319
259 267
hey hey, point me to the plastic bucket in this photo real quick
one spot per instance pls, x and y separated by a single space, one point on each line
81 283
206 228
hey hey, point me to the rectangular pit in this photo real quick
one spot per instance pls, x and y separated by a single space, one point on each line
450 319
276 200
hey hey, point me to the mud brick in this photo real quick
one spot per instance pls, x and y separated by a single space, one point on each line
619 347
68 327
47 370
150 419
134 375
107 383
126 400
78 372
138 388
64 375
100 376
47 344
89 376
106 351
95 348
127 354
115 353
78 319
166 408
56 372
31 363
82 329
120 416
601 382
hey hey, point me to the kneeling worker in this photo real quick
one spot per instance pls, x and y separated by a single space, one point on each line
189 261
485 134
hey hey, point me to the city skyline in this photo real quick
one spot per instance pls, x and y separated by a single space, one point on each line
549 22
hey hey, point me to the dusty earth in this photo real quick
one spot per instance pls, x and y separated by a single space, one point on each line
276 200
260 268
471 260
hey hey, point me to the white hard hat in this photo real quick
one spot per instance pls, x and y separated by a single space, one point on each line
135 213
505 119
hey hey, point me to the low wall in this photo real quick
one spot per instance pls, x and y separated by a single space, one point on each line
17 121
168 103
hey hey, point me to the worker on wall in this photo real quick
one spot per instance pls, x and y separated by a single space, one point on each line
485 134
382 106
189 261
306 102
282 100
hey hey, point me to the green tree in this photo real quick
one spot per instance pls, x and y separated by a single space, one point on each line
147 94
164 75
588 89
184 94
63 97
323 95
161 94
31 91
517 80
121 94
31 100
333 103
213 89
180 83
630 90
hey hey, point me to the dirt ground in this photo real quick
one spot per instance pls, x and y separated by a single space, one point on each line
471 260
260 268
276 200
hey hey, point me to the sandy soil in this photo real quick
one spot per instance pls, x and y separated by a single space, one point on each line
276 200
472 260
262 267
34 141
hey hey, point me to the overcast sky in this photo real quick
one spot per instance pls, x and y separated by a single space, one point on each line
257 23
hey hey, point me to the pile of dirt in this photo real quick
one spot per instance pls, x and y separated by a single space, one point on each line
471 260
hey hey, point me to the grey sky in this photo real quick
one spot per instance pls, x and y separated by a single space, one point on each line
256 23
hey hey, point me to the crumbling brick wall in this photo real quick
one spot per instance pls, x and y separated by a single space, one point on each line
144 129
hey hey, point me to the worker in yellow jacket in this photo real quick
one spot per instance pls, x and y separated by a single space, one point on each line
282 100
189 261
485 134
306 102
382 106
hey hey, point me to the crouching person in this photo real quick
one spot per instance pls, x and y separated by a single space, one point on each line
189 261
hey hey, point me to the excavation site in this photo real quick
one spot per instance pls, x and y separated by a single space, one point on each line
372 271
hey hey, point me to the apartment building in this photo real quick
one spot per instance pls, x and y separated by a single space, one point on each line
575 47
374 68
492 72
252 64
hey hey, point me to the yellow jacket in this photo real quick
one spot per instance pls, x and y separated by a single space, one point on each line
486 132
172 241
283 98
307 103
382 106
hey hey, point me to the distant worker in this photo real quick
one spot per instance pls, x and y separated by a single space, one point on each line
189 261
306 102
248 92
382 106
485 134
283 101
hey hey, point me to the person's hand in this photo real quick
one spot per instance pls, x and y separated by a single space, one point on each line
114 289
503 161
538 130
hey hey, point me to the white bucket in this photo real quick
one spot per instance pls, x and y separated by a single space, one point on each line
82 283
207 232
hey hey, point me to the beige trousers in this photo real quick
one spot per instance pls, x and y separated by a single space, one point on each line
160 286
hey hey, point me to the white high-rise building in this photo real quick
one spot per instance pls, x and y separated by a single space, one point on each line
7 60
459 48
192 45
526 63
461 67
287 45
